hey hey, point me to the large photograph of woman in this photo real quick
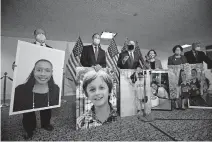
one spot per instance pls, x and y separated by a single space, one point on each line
96 98
37 84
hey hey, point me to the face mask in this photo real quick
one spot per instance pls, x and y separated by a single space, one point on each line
197 48
41 37
96 41
130 47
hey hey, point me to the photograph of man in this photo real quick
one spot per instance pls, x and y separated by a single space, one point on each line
128 59
196 56
93 55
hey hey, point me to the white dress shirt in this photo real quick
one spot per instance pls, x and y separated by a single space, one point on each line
41 44
131 53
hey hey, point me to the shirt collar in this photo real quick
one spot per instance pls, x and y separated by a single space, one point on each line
91 116
41 44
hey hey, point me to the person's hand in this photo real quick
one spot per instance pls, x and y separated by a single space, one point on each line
139 69
125 59
13 66
98 67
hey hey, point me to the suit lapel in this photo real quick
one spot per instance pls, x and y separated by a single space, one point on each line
92 54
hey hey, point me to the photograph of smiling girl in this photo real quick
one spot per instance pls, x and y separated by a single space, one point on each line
38 81
96 99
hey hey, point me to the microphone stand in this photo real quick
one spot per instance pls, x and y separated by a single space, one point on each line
4 91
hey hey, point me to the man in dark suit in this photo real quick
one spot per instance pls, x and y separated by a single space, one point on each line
128 59
93 55
29 118
195 56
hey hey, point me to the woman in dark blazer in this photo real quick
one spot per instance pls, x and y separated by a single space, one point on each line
177 58
39 91
153 62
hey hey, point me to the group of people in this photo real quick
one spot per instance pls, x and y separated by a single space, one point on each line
97 84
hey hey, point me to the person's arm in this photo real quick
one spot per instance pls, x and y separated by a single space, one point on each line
162 93
207 60
184 60
170 61
160 65
83 58
119 62
104 64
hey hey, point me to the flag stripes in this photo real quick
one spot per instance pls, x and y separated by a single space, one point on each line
74 59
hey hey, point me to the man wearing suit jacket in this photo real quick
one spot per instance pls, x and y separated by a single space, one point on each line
195 56
93 55
128 59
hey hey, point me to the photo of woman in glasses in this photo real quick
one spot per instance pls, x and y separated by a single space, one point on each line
39 90
97 86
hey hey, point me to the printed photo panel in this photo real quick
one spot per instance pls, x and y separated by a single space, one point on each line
97 97
160 90
135 86
200 87
38 76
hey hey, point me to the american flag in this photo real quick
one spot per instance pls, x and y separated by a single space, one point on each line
74 59
112 58
138 52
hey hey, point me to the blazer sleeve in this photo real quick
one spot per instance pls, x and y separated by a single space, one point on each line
104 64
83 58
119 62
207 60
159 65
184 60
170 61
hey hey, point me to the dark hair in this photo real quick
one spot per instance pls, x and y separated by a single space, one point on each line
177 46
195 44
180 77
94 35
150 51
155 82
194 70
35 31
31 79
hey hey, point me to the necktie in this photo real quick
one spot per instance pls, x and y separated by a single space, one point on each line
96 52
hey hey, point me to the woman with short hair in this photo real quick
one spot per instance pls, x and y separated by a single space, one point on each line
152 61
177 58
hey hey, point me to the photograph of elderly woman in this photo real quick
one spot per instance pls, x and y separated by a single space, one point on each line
38 80
96 98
